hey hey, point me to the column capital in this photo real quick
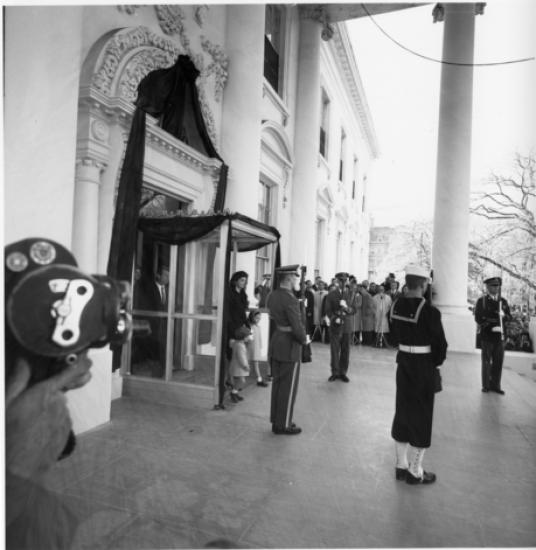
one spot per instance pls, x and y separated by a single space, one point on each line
438 13
317 12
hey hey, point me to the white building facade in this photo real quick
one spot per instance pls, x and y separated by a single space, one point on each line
283 104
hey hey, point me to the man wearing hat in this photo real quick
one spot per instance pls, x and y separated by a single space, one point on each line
491 312
262 290
422 348
285 348
340 307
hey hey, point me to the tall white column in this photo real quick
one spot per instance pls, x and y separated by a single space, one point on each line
242 106
452 197
306 143
86 214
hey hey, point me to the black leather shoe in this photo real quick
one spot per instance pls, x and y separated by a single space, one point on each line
262 383
235 397
427 478
291 430
344 378
498 390
485 390
401 474
332 378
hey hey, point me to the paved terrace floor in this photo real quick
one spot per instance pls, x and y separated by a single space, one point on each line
169 477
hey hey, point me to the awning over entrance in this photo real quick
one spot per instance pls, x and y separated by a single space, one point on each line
247 234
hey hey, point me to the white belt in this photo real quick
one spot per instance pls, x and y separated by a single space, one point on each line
415 349
496 329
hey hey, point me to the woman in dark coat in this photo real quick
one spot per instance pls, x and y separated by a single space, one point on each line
237 315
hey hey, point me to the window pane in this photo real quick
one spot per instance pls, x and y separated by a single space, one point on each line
194 351
148 351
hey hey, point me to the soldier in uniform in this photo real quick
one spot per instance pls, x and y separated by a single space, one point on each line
285 348
341 304
491 312
422 348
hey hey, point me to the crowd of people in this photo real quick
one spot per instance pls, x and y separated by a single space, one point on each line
368 324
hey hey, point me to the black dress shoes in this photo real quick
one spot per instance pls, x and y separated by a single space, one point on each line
344 378
401 474
262 383
485 390
291 430
427 478
332 378
497 390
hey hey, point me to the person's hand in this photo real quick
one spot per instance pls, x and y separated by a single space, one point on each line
37 419
307 340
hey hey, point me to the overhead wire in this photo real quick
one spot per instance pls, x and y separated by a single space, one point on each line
399 44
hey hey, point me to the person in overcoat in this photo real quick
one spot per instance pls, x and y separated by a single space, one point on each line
382 306
367 314
285 348
491 314
418 332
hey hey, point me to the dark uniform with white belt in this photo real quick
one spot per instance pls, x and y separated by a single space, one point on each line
285 348
422 347
490 317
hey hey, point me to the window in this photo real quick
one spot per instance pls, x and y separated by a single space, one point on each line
324 125
355 176
363 206
342 155
273 46
265 215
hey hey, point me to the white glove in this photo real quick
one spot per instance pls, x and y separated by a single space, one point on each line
342 303
307 340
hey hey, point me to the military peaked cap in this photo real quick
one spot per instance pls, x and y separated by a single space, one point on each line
493 281
285 269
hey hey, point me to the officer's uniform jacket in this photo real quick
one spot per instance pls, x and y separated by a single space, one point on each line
289 334
333 309
414 322
487 317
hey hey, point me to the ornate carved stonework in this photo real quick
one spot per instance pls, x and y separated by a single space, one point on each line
121 46
171 20
139 66
129 9
217 67
132 53
200 14
100 130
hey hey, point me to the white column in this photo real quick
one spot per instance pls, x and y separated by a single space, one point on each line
86 214
242 106
306 142
451 216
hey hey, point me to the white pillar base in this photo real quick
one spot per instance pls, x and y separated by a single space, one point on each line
460 329
90 405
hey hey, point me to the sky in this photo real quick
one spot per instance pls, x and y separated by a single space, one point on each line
402 91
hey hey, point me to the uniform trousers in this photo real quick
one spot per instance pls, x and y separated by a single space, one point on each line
415 392
492 362
284 389
340 351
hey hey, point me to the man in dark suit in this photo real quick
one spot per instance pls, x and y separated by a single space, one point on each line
340 307
491 312
285 348
151 294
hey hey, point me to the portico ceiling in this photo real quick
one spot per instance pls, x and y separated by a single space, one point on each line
343 12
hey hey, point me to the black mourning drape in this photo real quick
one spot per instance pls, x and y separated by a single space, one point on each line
171 95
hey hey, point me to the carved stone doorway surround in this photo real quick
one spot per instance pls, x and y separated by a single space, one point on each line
110 75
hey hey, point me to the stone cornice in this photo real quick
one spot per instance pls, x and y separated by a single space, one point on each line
119 111
344 54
